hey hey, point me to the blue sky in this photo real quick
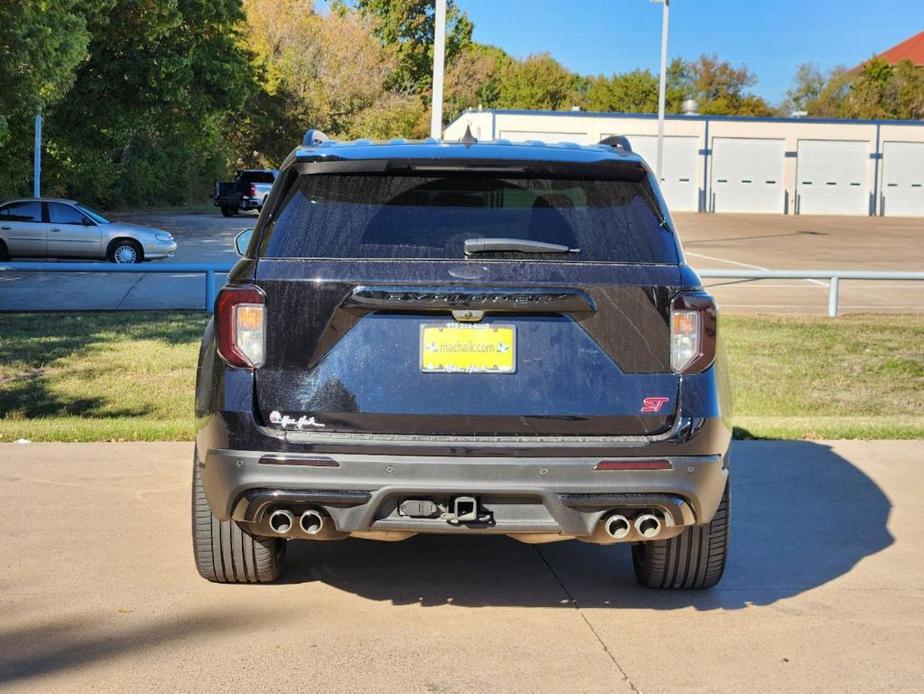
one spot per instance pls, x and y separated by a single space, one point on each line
771 37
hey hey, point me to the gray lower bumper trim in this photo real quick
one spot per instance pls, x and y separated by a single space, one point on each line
673 506
526 493
254 503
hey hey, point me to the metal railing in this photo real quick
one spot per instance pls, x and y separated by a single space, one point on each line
833 276
211 269
207 269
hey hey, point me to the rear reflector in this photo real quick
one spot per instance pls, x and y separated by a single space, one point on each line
630 465
310 461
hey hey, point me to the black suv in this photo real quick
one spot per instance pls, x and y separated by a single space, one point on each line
463 338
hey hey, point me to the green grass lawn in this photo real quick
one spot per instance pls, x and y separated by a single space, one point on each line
130 376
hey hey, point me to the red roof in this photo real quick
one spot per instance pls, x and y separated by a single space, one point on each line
911 49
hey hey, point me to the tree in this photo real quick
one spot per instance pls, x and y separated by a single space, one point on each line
909 91
539 82
630 92
407 26
876 90
881 90
721 88
636 91
473 79
831 101
147 115
871 92
41 45
807 87
325 71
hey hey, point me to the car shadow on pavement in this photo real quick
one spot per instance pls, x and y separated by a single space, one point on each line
801 516
38 650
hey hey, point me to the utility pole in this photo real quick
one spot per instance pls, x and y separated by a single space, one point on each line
37 159
662 84
439 58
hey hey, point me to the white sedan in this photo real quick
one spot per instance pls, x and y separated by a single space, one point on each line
55 228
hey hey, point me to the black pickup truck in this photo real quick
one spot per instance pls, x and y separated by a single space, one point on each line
471 338
247 191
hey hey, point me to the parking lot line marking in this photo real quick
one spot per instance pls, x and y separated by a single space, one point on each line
725 260
747 265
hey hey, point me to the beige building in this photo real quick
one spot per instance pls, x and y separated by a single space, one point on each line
737 164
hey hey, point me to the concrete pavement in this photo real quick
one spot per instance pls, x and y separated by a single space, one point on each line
823 591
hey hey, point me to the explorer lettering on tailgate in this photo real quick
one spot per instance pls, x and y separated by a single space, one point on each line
463 338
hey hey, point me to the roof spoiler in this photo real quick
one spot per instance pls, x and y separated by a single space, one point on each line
617 141
314 137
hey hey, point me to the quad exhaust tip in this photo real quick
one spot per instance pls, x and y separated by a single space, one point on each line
281 521
617 526
311 522
648 525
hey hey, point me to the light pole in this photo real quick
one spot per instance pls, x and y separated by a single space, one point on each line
37 159
439 51
662 83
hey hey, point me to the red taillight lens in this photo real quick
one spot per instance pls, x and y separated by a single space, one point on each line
305 460
693 332
240 321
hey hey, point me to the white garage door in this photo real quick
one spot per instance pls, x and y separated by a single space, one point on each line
831 177
681 162
543 136
903 179
747 175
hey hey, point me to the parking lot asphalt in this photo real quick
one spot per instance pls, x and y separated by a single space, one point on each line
727 241
823 591
776 242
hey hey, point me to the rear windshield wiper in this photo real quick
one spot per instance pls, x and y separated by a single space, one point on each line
473 246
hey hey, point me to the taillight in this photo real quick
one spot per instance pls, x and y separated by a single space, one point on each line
240 320
693 331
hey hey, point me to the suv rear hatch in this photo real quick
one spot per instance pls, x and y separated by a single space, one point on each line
467 301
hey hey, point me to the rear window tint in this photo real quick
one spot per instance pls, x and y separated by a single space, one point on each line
22 212
257 177
394 216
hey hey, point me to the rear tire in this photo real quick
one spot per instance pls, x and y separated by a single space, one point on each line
695 559
4 254
224 553
228 211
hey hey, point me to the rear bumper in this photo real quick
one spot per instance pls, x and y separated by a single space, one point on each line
529 497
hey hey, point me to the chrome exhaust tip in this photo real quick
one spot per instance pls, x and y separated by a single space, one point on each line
617 526
281 521
648 525
311 522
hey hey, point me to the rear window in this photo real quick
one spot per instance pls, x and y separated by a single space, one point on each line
257 177
431 217
22 212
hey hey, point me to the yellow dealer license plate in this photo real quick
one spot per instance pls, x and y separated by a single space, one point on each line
468 348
